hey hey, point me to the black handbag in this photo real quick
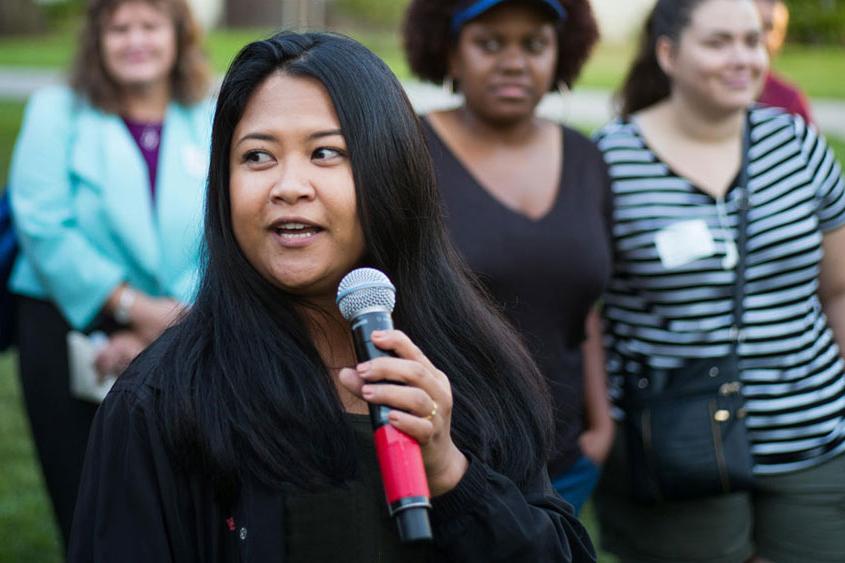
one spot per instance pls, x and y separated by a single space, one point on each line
684 428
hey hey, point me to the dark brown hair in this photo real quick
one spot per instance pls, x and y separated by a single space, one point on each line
428 38
189 80
646 83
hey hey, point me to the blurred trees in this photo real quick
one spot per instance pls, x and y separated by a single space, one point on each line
817 21
20 16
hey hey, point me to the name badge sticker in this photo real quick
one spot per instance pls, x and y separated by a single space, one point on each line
684 242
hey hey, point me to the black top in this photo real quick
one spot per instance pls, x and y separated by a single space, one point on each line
350 523
136 506
546 274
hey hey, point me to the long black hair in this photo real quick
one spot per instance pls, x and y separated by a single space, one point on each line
646 83
243 390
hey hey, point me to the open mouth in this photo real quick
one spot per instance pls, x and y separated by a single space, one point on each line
296 231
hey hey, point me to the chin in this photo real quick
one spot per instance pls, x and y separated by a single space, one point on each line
510 115
139 79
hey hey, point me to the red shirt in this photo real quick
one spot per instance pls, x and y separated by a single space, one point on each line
779 93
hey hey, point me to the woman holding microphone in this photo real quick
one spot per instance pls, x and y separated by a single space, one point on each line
242 433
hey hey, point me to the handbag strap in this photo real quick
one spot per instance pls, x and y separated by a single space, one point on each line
743 202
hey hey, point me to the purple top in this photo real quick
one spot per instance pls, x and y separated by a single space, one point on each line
148 138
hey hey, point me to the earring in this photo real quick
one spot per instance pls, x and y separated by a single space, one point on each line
563 89
563 93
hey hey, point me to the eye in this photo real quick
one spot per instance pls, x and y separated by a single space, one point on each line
536 45
716 42
489 44
326 154
753 40
256 157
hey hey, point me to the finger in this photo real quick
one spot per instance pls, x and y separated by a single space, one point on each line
351 380
101 363
399 343
412 400
409 372
419 429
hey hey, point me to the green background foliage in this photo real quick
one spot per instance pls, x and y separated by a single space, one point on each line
377 13
817 21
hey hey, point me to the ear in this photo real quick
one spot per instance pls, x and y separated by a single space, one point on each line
664 52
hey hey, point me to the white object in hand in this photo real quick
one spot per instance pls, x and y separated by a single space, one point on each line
82 353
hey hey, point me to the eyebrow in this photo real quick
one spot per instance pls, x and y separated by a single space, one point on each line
261 136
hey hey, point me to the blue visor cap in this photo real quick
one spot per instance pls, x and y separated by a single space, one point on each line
470 9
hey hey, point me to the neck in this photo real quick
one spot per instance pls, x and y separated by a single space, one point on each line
330 333
706 126
331 336
515 132
146 103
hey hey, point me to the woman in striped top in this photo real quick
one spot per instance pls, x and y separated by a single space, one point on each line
674 158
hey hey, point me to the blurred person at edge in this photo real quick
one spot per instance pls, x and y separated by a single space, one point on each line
777 92
525 199
676 158
106 183
243 433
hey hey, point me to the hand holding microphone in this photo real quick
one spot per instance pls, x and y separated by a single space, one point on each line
410 404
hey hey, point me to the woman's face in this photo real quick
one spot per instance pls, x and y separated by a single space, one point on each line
139 45
291 187
720 59
505 62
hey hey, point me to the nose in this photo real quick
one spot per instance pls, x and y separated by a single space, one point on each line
746 55
293 185
136 35
512 59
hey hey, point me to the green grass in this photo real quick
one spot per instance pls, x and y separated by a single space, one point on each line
50 50
27 531
818 69
223 45
10 119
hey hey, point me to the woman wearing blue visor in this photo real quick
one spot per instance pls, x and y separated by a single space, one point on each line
526 200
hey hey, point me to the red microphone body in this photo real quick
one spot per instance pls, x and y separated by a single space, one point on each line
366 298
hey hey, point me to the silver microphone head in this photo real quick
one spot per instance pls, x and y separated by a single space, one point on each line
364 290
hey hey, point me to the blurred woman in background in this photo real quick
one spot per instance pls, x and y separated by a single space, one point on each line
106 185
680 185
526 200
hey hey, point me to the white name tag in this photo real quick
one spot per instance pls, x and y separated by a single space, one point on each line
684 242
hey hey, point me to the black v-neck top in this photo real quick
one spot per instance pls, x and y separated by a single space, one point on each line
547 273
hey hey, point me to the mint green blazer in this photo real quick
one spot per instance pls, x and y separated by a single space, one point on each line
83 213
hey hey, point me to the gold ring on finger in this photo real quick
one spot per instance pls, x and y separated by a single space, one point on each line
433 412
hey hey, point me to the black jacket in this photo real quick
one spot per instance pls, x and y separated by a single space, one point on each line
135 506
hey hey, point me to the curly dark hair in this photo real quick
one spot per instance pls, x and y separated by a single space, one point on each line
428 39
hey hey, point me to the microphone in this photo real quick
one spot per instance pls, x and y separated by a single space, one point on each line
366 299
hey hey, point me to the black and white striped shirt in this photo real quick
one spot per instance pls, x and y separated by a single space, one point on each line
663 308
